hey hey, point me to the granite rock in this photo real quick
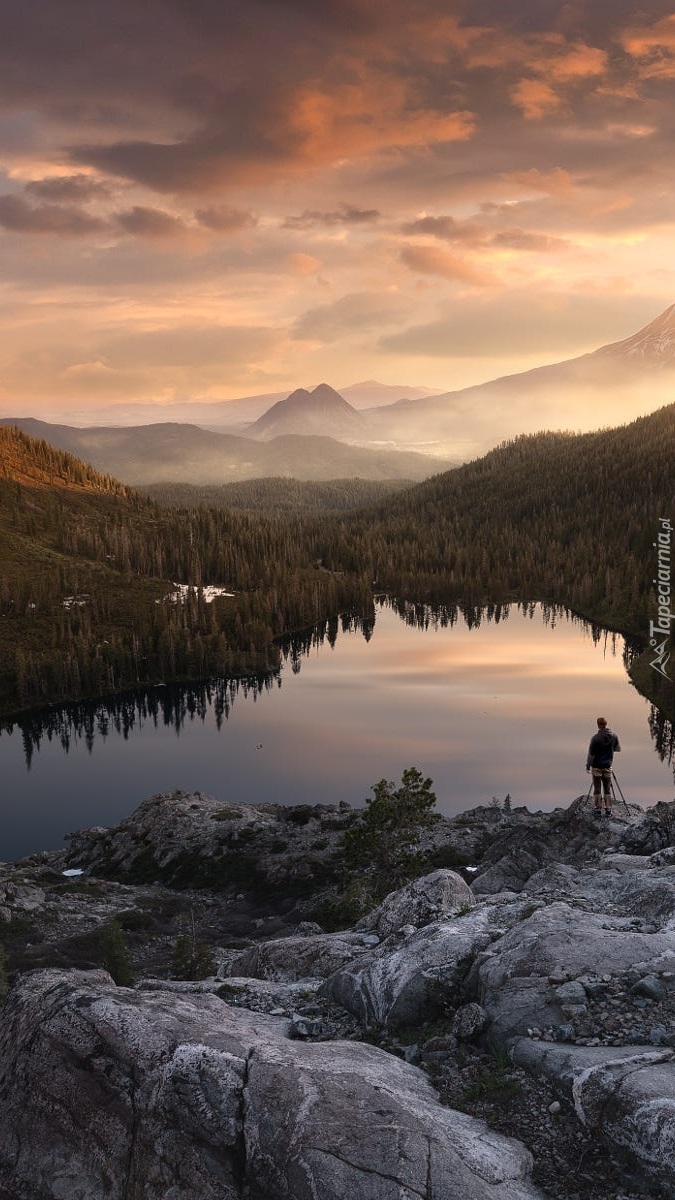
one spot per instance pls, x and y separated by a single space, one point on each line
130 1095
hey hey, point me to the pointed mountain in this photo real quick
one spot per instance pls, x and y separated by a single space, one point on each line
322 411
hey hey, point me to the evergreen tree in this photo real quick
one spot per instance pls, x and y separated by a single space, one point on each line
381 850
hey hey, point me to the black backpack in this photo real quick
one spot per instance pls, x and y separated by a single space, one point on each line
605 748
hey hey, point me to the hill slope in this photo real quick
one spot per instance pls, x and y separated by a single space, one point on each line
278 495
39 464
614 383
87 596
187 454
569 518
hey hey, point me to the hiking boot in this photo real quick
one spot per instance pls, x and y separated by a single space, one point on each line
607 813
597 813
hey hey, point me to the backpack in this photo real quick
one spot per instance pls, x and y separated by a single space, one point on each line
605 749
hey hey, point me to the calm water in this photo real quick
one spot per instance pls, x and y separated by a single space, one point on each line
505 707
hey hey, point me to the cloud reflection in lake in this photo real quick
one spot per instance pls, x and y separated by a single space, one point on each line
506 707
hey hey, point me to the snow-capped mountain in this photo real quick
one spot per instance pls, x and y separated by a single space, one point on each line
652 346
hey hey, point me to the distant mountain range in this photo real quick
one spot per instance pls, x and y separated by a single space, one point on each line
320 433
226 416
145 454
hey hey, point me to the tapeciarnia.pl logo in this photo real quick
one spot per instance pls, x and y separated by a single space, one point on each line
661 627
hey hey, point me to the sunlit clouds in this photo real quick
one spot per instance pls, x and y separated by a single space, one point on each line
209 200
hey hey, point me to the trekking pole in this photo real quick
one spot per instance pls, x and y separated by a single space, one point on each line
615 781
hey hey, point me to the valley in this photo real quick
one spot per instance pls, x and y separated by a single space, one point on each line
537 519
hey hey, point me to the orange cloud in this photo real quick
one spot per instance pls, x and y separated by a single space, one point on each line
654 48
62 220
552 65
432 260
222 219
303 264
141 221
578 62
548 183
371 114
535 99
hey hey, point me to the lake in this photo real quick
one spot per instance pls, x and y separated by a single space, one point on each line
508 706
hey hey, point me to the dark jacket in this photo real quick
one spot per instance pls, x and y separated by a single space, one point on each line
603 746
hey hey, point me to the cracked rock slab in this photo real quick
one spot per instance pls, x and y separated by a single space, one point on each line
399 982
626 1095
133 1095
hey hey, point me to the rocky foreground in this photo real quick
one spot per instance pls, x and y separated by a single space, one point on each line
507 1038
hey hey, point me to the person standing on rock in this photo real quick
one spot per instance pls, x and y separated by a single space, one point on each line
601 750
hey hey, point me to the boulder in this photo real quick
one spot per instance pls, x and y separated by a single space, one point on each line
191 839
123 1095
403 980
469 1021
420 902
509 873
513 982
314 956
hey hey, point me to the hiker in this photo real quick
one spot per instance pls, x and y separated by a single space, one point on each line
603 746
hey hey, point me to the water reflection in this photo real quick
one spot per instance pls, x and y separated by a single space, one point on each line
175 705
169 705
663 733
172 704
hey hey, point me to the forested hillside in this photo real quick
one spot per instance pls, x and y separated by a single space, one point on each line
275 495
35 462
560 517
88 564
86 600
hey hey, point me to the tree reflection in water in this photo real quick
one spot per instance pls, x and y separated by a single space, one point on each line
176 704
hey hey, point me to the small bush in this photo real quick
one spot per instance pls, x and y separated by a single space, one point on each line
343 911
115 953
301 814
191 959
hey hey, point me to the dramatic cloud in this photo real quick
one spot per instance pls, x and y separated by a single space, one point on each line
348 315
212 195
654 48
68 188
535 98
476 232
495 330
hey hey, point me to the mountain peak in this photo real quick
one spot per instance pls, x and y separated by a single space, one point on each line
321 411
653 345
323 392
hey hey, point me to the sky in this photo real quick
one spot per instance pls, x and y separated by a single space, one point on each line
202 199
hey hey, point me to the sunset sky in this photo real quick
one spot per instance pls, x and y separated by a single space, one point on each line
207 199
